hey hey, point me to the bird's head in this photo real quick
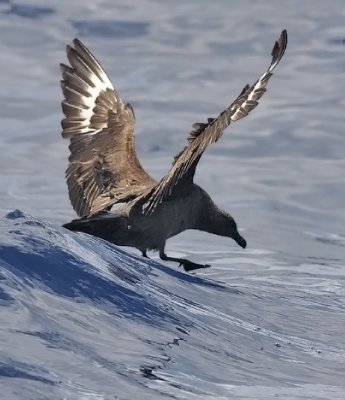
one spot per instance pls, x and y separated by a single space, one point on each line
232 231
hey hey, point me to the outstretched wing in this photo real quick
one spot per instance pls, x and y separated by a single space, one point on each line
205 133
103 165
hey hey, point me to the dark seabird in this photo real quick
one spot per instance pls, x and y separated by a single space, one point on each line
104 169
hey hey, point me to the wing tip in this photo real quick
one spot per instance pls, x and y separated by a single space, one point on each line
77 42
279 49
283 39
80 47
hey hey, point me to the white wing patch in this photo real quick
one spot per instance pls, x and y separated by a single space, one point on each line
82 85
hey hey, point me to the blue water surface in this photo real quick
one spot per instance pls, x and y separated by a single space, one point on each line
83 319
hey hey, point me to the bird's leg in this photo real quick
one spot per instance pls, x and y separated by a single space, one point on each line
186 264
143 252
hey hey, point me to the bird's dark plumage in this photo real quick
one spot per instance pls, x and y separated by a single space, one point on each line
103 165
104 168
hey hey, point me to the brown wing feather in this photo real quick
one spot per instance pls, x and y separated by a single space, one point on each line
203 134
103 165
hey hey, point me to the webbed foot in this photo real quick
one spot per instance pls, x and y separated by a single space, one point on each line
186 264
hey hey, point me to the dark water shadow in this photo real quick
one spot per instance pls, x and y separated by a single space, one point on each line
29 11
21 370
194 279
111 29
67 275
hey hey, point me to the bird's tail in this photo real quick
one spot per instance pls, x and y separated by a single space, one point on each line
105 225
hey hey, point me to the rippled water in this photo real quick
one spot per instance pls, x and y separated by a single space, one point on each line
264 322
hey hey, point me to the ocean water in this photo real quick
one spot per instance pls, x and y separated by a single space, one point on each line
83 319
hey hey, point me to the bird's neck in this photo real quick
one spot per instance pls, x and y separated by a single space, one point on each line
213 220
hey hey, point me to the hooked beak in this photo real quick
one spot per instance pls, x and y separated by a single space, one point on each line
240 240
